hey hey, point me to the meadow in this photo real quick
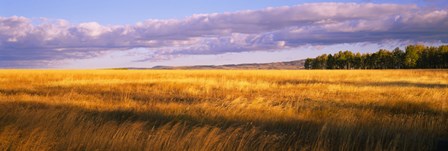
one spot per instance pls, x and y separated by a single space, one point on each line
223 109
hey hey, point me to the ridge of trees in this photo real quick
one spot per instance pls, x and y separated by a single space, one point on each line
414 57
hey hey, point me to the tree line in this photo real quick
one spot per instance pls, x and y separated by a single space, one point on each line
414 57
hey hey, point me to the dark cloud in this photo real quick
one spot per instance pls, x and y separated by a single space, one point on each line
252 30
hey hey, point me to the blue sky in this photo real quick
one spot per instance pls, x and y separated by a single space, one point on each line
139 33
132 11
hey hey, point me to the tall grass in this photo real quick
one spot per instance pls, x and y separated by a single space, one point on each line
223 110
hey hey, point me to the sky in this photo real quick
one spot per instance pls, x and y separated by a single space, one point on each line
145 33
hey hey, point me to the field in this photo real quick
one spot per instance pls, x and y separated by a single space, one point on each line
223 109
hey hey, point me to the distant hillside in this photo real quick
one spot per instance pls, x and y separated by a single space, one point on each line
291 65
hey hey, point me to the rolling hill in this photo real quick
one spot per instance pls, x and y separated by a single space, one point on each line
290 65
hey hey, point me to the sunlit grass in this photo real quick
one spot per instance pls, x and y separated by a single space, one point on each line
223 110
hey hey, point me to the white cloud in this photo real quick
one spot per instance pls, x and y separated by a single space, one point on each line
252 30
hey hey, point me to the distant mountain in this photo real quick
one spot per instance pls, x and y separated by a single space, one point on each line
291 65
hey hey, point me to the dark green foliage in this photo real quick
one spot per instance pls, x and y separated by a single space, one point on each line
398 57
415 57
308 63
412 56
330 62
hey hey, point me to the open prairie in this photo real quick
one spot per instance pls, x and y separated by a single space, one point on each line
223 110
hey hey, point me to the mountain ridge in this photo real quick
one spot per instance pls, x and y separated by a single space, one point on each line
286 65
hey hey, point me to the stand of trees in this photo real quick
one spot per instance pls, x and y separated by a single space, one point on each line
414 57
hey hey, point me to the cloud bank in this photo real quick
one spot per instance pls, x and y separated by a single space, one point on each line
24 39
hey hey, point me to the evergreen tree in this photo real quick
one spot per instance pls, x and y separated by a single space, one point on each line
415 56
444 53
385 59
330 62
308 63
320 62
357 61
398 58
412 55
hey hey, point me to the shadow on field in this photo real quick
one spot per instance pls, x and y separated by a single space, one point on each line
399 107
20 91
112 94
62 118
29 110
361 84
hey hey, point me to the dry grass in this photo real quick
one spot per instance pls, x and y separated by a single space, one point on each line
223 110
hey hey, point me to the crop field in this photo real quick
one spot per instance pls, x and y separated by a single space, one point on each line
223 109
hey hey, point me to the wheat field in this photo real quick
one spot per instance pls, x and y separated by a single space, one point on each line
223 109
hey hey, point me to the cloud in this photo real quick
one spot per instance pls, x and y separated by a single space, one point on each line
21 39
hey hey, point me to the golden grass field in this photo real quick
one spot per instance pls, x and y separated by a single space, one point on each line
223 109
